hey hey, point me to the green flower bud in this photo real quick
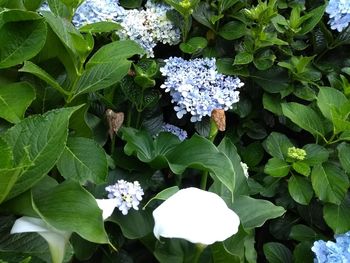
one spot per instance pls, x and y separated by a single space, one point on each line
296 153
185 4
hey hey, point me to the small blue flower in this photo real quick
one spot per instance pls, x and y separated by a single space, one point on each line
339 14
333 252
180 133
197 88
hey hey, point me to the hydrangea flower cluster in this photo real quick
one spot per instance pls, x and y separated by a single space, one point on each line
197 88
149 26
333 252
92 11
339 14
180 133
127 195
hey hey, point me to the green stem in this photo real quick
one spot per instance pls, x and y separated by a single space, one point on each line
113 144
204 180
199 250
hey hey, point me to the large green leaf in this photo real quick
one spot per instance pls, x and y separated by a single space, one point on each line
42 138
329 99
136 224
14 100
344 155
117 51
30 67
69 207
277 253
101 76
277 167
198 152
83 160
277 145
300 189
233 30
22 36
305 117
315 154
229 149
329 182
337 216
254 212
303 233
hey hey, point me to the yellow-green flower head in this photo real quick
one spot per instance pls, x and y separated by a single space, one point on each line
296 153
185 4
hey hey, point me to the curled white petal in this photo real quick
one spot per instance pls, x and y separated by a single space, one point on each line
195 215
56 239
107 206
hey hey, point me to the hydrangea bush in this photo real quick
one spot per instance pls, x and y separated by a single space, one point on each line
174 131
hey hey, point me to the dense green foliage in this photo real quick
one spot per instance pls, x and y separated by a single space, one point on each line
57 151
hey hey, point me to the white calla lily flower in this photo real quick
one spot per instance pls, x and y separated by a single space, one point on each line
56 239
195 215
107 206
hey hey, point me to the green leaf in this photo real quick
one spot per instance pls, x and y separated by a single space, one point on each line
83 160
101 76
303 233
163 195
305 117
43 138
337 216
344 156
135 225
300 189
62 205
15 98
312 19
194 45
264 59
272 103
252 154
100 27
30 67
6 160
315 154
329 182
303 253
22 36
117 51
301 168
243 58
277 145
59 8
254 212
277 167
328 99
233 30
277 253
228 148
200 153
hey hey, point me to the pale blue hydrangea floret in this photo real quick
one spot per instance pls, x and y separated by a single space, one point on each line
92 11
149 26
197 88
180 133
333 252
127 195
339 14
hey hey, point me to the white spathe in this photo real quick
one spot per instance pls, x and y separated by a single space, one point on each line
56 239
107 206
195 215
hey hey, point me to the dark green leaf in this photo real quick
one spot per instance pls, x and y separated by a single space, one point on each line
277 167
83 160
15 98
303 233
277 253
329 182
277 145
233 30
344 156
337 216
300 189
194 45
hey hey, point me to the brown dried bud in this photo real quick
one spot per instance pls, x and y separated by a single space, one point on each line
218 116
115 121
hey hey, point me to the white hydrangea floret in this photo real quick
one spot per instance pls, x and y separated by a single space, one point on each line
339 14
197 88
149 26
245 169
125 195
195 215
